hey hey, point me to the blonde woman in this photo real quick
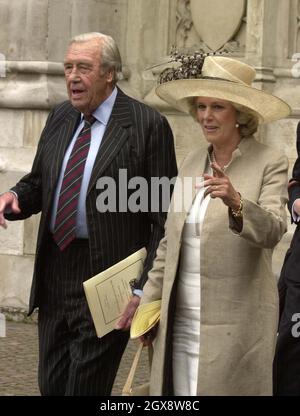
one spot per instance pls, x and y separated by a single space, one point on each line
213 274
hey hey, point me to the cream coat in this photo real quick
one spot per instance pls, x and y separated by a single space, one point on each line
239 303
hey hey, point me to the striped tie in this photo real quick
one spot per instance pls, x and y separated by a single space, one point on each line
65 223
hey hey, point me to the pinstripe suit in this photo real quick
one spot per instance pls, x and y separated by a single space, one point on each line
138 139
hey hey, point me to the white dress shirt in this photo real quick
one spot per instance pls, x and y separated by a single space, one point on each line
102 115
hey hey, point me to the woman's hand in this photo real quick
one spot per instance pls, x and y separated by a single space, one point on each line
149 336
219 186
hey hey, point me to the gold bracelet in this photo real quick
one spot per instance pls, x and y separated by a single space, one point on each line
239 212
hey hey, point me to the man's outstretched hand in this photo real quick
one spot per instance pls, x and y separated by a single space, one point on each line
8 202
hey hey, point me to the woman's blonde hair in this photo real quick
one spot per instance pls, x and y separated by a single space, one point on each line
247 120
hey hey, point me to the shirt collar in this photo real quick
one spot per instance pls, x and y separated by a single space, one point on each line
103 112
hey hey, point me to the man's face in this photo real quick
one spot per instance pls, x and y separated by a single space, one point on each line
87 84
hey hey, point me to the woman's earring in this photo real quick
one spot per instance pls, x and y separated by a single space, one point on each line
237 125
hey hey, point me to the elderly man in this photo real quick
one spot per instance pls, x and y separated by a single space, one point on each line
98 132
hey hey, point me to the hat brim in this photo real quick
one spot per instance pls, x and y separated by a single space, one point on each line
266 106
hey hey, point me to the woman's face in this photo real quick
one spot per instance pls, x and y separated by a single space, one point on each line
217 119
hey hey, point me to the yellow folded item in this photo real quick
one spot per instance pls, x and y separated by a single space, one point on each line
146 316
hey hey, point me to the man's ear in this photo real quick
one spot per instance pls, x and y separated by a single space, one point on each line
110 75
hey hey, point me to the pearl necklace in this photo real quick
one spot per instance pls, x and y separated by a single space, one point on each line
211 159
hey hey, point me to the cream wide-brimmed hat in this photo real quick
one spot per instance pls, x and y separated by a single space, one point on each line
226 79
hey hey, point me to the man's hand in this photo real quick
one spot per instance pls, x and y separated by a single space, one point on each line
8 202
126 318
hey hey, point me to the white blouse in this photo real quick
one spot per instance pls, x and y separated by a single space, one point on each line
186 331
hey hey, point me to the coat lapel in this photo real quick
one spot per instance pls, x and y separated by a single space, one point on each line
114 137
192 170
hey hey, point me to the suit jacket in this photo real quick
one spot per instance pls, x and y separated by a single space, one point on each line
239 299
296 168
286 362
294 190
290 272
137 138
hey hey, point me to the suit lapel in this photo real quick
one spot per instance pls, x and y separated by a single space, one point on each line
116 133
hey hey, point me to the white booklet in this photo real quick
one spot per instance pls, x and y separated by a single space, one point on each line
109 292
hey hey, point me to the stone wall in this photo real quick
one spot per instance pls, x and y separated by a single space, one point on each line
34 35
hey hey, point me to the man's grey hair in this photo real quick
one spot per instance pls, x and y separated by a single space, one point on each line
110 55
